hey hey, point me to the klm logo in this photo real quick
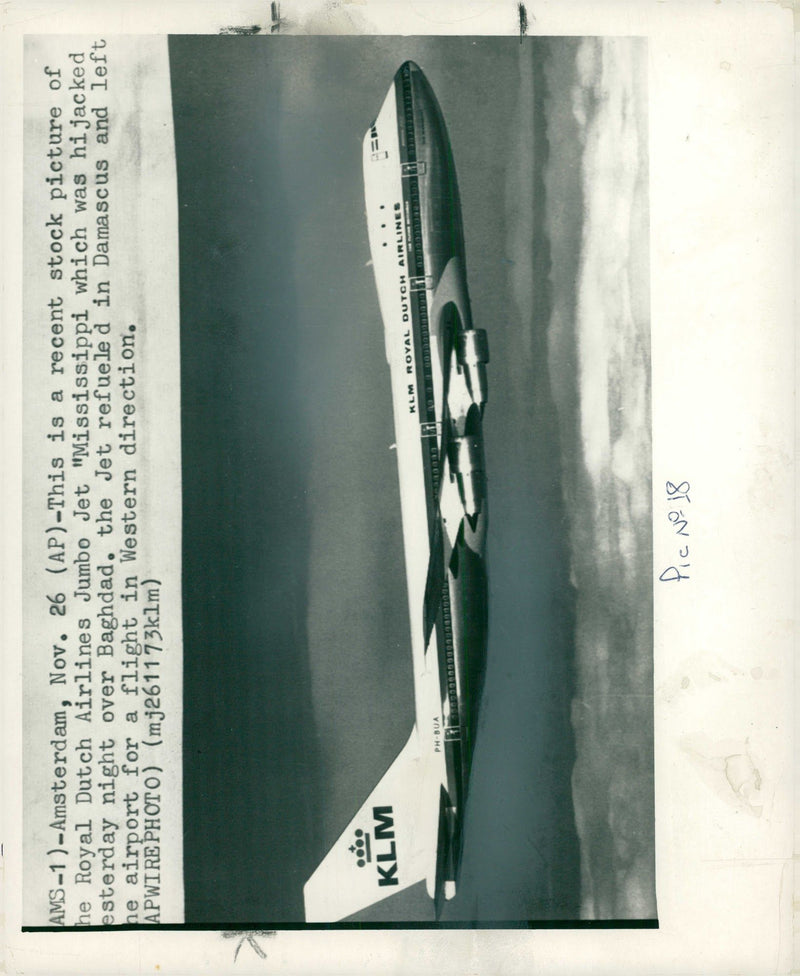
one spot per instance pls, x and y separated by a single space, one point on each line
384 850
386 861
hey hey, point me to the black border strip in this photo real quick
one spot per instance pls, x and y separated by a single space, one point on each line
602 923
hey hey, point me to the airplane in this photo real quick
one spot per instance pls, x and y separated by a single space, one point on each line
409 829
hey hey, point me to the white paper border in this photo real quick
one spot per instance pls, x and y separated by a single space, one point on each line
722 264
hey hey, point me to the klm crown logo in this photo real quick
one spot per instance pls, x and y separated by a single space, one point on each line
361 848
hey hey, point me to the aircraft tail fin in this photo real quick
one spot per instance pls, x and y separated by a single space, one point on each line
385 848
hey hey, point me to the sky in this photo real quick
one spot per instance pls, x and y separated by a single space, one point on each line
297 659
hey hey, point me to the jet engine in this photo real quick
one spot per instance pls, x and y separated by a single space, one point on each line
472 354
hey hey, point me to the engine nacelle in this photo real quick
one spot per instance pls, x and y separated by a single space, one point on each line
472 354
466 463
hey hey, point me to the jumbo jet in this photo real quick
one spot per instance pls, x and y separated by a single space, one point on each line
409 829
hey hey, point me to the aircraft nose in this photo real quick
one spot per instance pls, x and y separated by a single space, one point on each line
419 98
412 72
409 66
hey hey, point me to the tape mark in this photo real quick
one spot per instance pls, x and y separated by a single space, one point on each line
273 26
523 21
250 939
